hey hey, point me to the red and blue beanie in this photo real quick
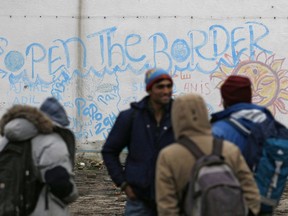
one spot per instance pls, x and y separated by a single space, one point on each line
236 89
154 75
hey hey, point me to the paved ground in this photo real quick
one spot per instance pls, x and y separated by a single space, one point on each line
99 196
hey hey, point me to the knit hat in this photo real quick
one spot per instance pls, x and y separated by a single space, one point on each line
236 89
55 111
154 75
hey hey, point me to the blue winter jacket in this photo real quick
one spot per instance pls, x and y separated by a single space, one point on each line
248 115
136 129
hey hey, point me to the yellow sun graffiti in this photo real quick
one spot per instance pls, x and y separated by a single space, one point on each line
269 80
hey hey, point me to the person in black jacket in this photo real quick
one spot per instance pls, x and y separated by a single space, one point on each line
144 129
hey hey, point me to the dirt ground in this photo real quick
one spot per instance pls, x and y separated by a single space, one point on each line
99 196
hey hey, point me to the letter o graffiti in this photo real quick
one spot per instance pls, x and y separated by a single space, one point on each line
180 50
14 61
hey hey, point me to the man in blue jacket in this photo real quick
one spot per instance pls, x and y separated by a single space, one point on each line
248 125
236 93
144 129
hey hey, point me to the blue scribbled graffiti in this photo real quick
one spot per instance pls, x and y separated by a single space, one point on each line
52 69
178 55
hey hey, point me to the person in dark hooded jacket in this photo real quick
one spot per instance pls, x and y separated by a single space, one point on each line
144 129
49 152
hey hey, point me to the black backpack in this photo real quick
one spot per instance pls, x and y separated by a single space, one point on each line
19 185
17 176
213 189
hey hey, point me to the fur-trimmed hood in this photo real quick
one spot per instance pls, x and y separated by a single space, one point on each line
24 121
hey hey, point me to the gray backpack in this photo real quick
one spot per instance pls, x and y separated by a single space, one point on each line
213 189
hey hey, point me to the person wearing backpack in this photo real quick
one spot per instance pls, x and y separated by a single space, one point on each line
144 129
46 183
236 93
175 183
258 135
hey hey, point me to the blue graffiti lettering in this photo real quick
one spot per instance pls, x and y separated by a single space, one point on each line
26 100
161 51
81 56
14 61
116 56
180 50
101 35
224 38
58 86
138 40
254 41
52 60
91 110
236 53
111 47
33 48
5 42
105 126
105 99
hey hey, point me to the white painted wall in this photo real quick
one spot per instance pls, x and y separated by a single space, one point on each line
92 54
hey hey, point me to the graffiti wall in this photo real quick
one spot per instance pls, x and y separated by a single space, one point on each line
95 65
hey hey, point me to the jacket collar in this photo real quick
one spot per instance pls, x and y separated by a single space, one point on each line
238 107
144 104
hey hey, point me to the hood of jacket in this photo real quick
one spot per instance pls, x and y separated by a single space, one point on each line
190 116
226 113
55 111
23 122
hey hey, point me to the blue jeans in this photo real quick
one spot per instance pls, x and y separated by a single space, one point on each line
138 208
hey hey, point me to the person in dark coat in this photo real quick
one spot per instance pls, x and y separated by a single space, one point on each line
144 129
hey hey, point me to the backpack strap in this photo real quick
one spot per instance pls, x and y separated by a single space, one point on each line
28 172
13 147
68 136
238 126
217 146
191 146
196 151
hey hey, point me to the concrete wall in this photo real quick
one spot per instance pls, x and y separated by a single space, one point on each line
92 54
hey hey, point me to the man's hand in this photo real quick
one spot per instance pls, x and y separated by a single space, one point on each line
129 192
